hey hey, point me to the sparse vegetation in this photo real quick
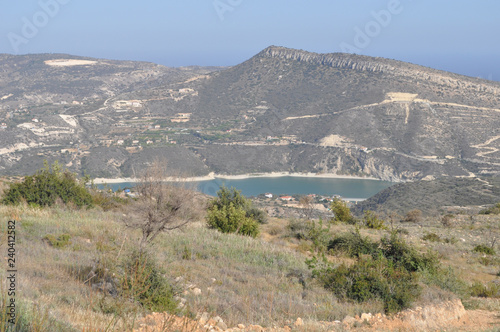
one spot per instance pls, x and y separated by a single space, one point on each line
491 210
60 241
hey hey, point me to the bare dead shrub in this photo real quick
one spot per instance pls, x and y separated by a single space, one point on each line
307 205
414 216
160 205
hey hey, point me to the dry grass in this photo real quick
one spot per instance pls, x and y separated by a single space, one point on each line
251 281
255 281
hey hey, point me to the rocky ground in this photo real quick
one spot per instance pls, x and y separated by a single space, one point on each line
446 316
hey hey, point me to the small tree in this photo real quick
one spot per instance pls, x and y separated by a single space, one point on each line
307 204
229 213
341 212
161 206
371 220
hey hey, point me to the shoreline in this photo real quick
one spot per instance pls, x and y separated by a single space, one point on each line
213 176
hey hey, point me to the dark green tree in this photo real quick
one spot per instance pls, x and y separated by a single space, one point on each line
231 212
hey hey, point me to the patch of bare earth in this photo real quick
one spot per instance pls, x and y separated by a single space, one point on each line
446 316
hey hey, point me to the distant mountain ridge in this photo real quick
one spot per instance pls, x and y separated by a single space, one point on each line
282 110
376 64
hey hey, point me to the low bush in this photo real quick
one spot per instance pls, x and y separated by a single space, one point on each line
47 186
371 220
371 279
432 237
483 249
446 220
107 201
390 274
298 229
480 290
144 282
413 216
353 244
60 241
489 260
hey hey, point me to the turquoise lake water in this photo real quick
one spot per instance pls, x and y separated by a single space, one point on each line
347 188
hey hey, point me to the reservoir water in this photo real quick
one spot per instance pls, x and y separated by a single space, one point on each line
354 189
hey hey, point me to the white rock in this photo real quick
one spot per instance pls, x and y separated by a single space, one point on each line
203 319
366 317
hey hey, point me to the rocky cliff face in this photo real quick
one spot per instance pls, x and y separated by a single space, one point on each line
381 65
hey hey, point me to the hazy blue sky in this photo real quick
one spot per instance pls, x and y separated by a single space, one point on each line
455 35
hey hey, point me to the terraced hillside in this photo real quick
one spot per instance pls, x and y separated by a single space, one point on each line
282 110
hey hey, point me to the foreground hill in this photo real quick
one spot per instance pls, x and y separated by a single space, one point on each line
70 281
433 196
282 110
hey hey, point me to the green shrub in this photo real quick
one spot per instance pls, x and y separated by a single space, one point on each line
230 219
353 244
479 290
400 253
229 213
371 220
371 279
318 235
257 214
481 248
47 186
432 237
341 212
60 241
144 282
390 274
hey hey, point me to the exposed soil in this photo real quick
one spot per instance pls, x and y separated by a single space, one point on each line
446 316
